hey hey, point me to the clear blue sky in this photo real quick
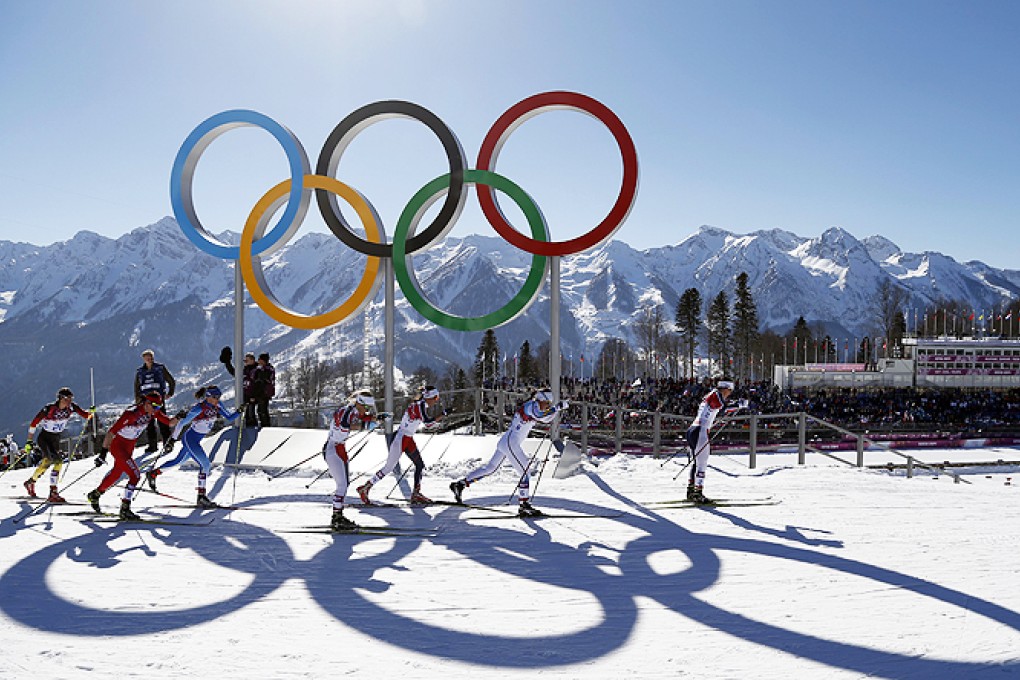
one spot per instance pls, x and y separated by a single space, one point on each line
892 118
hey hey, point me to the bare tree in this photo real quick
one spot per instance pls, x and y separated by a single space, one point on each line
891 301
648 332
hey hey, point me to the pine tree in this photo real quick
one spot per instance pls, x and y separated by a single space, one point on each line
800 337
487 359
527 366
719 334
688 325
745 328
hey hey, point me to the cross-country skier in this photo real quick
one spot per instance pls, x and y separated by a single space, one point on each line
354 415
120 441
52 418
537 409
416 415
201 417
698 440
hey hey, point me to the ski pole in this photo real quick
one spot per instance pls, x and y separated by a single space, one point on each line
322 474
693 456
295 466
527 467
70 453
439 458
275 449
408 469
538 477
46 504
21 456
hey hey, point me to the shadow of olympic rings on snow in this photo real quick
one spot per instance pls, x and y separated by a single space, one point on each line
533 556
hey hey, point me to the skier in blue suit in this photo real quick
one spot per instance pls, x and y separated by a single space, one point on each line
201 418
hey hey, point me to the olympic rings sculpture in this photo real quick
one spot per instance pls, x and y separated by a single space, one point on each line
296 193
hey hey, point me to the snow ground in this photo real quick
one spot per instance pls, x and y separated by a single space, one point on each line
854 573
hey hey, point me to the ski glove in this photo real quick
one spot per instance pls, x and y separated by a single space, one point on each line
28 446
101 459
226 354
168 445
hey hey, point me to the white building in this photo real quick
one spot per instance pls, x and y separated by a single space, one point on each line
927 362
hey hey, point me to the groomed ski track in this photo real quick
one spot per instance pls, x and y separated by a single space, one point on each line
856 573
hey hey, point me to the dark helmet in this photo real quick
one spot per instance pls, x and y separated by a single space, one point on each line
65 392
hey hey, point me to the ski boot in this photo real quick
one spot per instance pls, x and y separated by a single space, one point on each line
150 477
205 502
418 498
458 489
125 512
527 510
695 494
93 497
341 523
30 488
55 496
363 492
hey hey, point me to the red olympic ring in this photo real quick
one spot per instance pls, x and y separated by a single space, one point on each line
515 116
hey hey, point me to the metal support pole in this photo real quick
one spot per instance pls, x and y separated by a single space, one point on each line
388 331
656 433
584 429
619 427
554 339
910 467
860 451
802 438
500 409
752 456
238 338
478 411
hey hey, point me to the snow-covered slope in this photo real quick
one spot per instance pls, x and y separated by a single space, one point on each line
95 302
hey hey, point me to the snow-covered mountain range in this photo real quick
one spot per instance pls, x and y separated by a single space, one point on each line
96 302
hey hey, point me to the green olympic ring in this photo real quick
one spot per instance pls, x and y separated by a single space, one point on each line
408 281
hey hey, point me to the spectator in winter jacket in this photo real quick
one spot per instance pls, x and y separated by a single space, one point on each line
263 388
154 378
247 382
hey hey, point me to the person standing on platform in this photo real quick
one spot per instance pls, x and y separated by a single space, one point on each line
263 388
152 377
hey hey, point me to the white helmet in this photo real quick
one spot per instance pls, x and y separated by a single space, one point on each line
544 395
365 398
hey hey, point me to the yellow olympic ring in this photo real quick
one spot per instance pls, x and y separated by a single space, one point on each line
251 265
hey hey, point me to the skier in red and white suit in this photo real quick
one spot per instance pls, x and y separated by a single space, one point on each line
355 415
120 441
538 409
416 415
698 441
